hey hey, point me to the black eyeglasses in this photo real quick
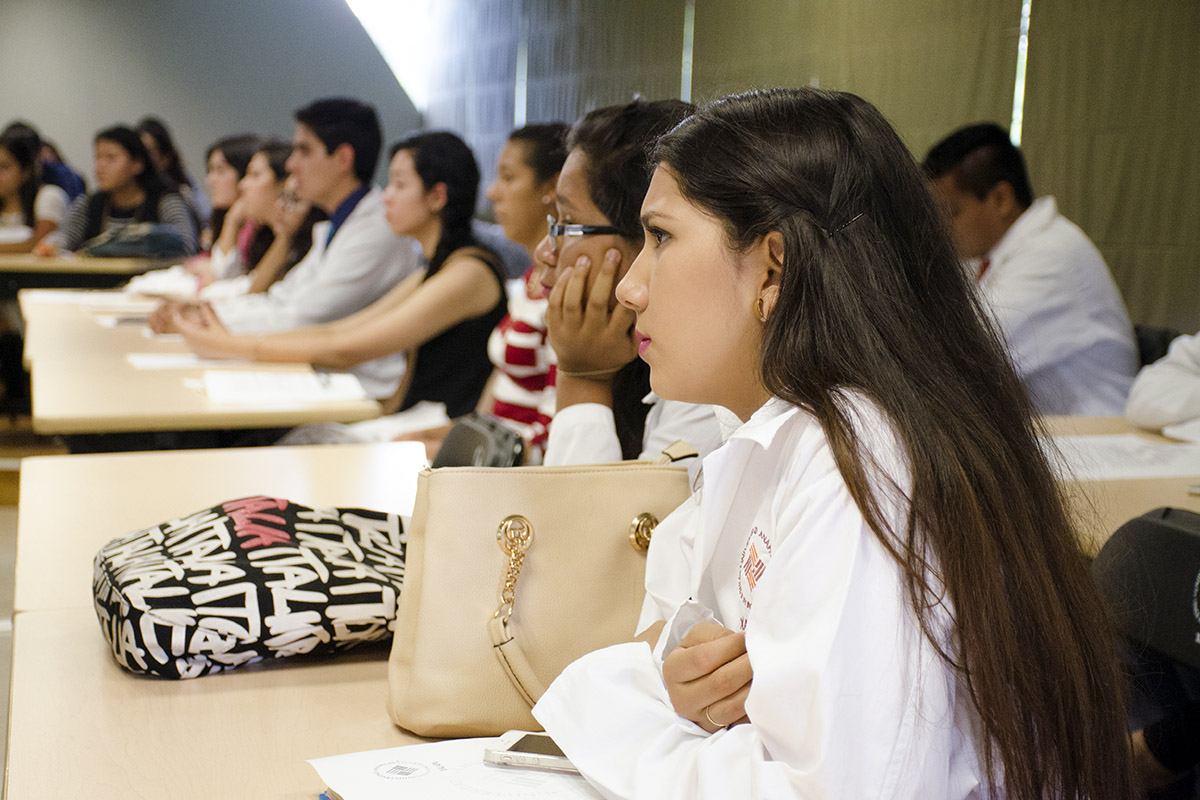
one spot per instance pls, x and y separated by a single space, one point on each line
555 229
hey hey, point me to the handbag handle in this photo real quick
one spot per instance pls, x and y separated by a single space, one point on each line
515 536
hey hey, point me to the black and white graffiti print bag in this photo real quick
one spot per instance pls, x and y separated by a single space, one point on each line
249 580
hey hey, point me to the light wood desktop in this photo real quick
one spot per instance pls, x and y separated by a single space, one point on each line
83 383
1100 507
79 265
81 726
23 271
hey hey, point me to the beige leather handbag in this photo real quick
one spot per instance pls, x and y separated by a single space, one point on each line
512 574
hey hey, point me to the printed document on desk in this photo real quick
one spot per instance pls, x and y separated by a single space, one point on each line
153 361
241 387
448 770
1122 456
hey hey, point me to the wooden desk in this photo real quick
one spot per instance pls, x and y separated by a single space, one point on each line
82 382
72 505
1100 507
61 323
80 726
22 271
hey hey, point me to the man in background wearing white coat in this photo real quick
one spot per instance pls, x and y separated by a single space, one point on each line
1044 282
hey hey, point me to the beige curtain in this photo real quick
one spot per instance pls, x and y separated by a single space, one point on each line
1112 129
930 66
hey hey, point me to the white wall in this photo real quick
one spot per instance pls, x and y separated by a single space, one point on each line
209 68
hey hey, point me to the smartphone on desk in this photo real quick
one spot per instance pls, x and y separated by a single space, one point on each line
528 750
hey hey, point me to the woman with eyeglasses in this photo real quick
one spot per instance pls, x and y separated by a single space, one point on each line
441 316
521 390
605 411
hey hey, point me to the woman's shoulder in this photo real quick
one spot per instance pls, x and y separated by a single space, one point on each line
477 255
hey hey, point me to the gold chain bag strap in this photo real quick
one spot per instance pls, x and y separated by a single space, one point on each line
512 574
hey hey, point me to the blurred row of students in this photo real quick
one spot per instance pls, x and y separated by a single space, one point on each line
1042 279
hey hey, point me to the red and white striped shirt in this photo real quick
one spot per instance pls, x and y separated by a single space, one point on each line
523 388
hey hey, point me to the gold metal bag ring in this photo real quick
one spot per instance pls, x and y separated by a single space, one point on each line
514 536
641 529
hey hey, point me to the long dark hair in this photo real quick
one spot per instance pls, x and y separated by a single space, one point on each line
276 153
174 171
442 157
617 142
545 147
24 150
873 300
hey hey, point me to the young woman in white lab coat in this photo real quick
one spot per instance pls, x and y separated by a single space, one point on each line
876 592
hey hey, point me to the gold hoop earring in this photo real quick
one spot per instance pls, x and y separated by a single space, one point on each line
760 310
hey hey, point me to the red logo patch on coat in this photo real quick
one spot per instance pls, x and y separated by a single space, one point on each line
755 557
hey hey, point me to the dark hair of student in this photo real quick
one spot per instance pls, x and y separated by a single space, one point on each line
442 157
23 130
872 299
617 142
158 131
276 153
128 139
342 120
979 157
545 148
24 150
237 152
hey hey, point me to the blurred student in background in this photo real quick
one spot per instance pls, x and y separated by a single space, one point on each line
54 170
166 159
30 208
266 230
1167 392
226 161
521 390
1044 282
128 189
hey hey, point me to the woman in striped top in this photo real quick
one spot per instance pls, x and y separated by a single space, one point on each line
130 190
521 391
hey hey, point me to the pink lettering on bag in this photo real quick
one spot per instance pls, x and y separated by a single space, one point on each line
247 516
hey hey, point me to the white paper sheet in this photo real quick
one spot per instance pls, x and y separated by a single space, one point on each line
421 417
447 770
151 361
173 282
246 387
1121 456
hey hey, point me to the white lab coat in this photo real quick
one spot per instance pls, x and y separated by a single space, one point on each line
585 433
1061 316
1167 392
849 700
